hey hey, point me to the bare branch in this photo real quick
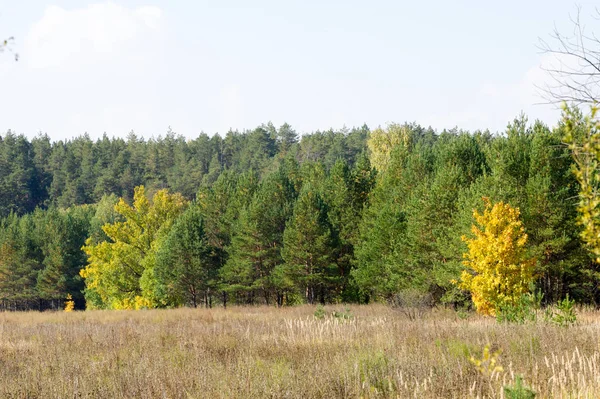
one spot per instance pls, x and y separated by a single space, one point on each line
6 45
575 73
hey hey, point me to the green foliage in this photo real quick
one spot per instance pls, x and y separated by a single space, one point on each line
333 216
308 247
257 241
19 192
120 273
408 232
374 371
63 235
382 142
19 267
345 314
563 314
320 312
582 134
186 269
520 311
519 390
462 313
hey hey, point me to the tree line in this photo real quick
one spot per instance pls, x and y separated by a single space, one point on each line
264 216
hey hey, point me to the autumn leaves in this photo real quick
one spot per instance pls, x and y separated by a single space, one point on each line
499 269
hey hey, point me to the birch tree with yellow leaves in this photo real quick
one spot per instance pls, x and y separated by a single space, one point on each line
498 270
120 271
381 142
582 135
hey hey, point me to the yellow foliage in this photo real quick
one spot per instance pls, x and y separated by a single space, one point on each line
499 271
488 364
69 303
119 271
381 143
137 303
582 135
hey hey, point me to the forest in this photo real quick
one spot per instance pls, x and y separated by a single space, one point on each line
267 217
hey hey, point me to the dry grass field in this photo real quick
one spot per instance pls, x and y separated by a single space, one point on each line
288 353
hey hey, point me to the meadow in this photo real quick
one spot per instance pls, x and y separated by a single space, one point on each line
371 351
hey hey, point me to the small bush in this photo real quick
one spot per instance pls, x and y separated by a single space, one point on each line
463 313
375 374
320 312
412 302
488 363
564 315
69 303
519 312
346 314
519 390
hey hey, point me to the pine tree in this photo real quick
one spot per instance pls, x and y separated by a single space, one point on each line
186 270
382 265
343 215
17 176
308 247
256 246
20 263
63 233
286 138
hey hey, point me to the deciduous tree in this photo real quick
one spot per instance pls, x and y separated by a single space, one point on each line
498 270
120 272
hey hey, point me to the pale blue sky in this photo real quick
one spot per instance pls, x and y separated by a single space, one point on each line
209 66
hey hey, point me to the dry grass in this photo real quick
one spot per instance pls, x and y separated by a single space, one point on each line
278 353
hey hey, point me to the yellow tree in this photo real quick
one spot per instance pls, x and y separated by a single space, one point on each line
499 271
381 143
582 135
120 272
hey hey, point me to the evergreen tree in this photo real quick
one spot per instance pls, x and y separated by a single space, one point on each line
308 247
63 233
186 271
19 263
18 188
256 246
286 138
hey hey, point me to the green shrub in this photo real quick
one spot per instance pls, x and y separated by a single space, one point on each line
346 314
564 315
320 312
375 374
519 390
463 313
522 311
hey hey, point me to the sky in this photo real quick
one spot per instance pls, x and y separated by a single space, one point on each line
210 66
